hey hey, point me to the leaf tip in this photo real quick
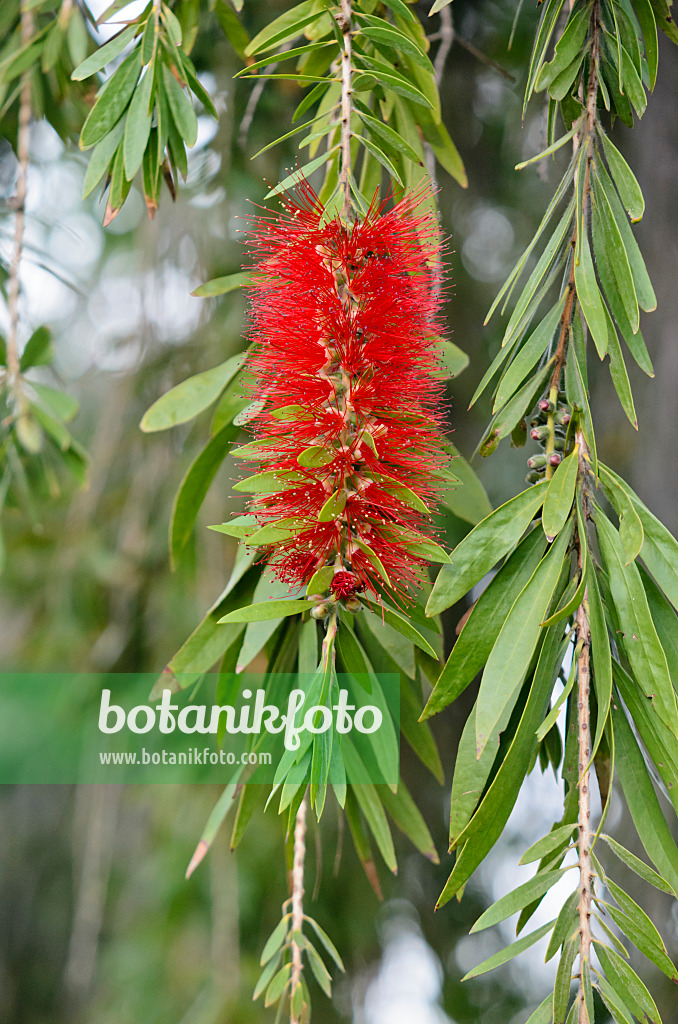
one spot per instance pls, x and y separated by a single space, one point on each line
197 858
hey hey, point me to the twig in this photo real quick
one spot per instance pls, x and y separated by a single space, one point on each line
297 898
584 748
344 23
23 153
446 36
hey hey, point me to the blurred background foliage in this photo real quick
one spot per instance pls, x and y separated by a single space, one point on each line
96 921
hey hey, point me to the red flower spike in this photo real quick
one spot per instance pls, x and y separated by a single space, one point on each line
344 584
345 322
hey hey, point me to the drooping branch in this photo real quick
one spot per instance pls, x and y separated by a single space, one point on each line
297 898
584 839
23 154
344 23
583 137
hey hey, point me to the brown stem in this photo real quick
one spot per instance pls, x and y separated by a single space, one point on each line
344 23
23 148
584 747
297 898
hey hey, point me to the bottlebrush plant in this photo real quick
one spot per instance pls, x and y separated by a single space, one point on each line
345 321
344 392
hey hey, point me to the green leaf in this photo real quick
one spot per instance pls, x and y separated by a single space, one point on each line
566 922
64 406
138 126
333 507
640 639
275 940
568 50
186 400
611 239
590 299
543 1014
315 456
611 1001
221 809
278 985
510 659
504 955
625 180
482 628
563 981
648 25
408 818
112 101
320 580
601 654
105 54
638 866
396 40
620 379
627 984
405 628
509 283
577 396
194 487
385 132
222 285
547 844
270 482
405 494
528 356
370 804
647 299
514 901
560 495
326 941
241 527
293 179
101 157
630 527
641 798
265 610
389 79
637 926
483 547
660 548
38 350
287 26
660 742
487 824
522 402
181 107
320 972
550 150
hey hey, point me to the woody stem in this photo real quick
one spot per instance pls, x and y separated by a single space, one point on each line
344 23
584 748
297 897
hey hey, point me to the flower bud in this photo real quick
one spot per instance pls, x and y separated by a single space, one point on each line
539 433
536 462
353 604
563 417
546 405
555 459
320 611
534 477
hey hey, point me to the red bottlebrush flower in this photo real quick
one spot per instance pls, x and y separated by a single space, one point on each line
345 321
344 584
